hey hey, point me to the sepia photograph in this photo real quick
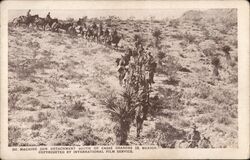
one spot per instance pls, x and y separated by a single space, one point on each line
167 78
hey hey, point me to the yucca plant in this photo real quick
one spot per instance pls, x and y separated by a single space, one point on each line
122 110
157 35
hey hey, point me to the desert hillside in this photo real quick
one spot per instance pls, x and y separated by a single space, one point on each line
57 83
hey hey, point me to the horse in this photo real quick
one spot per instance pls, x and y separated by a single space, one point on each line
88 33
81 26
100 34
55 27
65 26
78 30
106 36
95 34
19 20
81 21
92 33
72 31
24 20
114 39
84 31
31 20
51 21
40 22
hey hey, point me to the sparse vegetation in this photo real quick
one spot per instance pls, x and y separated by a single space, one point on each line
169 67
174 23
122 112
157 35
14 133
12 100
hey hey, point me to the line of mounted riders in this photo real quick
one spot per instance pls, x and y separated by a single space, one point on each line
94 31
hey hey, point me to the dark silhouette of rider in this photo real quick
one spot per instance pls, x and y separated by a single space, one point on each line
28 13
48 16
94 26
115 32
100 26
106 32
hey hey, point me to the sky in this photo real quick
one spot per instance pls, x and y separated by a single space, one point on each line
122 13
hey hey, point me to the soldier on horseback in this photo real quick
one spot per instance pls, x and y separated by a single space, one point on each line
106 35
28 13
48 17
150 67
115 33
106 32
94 26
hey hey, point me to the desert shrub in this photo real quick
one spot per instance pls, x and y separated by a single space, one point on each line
139 38
222 96
231 110
33 45
207 47
223 30
35 134
74 109
63 138
205 108
84 133
28 119
167 134
190 38
14 133
161 54
42 116
157 35
184 123
217 39
203 91
54 82
216 36
22 89
208 52
169 67
174 23
13 98
36 126
171 99
25 70
156 105
68 137
224 119
109 22
121 110
206 33
178 36
233 78
205 119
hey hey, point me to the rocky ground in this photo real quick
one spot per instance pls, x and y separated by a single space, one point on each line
57 83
